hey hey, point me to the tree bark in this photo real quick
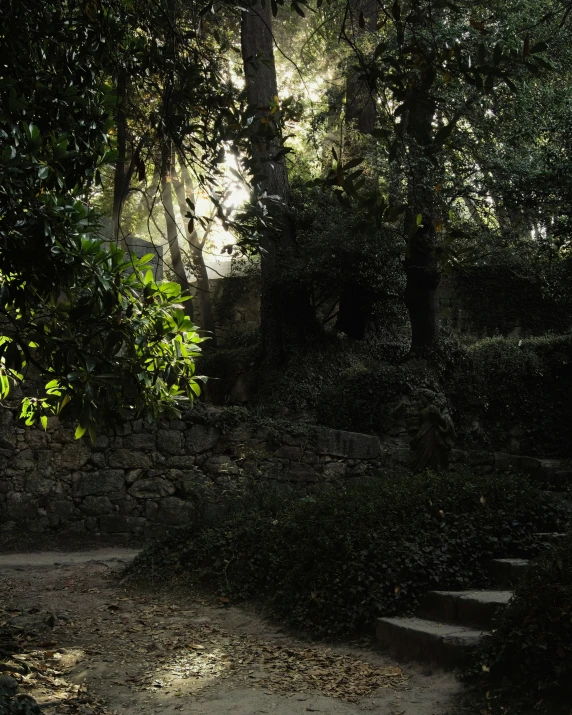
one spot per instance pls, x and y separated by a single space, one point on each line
120 176
172 231
421 265
360 105
286 313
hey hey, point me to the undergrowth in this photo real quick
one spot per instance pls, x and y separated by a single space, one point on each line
333 562
526 664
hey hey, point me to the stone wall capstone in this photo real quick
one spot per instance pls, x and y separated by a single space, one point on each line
143 479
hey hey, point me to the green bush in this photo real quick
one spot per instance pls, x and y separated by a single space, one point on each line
362 400
519 390
332 563
528 658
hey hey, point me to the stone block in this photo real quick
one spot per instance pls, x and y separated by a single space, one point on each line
178 425
184 461
19 507
74 455
351 445
169 441
61 508
141 441
529 464
195 485
300 472
133 475
334 470
220 464
119 523
36 439
293 454
36 484
8 438
98 483
175 512
480 459
128 459
152 488
5 486
201 438
98 460
101 443
96 506
503 461
24 460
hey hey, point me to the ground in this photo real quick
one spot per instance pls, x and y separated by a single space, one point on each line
90 644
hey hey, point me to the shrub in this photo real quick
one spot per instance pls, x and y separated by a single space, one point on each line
518 386
528 659
333 562
362 400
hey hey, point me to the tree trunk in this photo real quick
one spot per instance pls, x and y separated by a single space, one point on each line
286 313
184 189
120 176
172 231
421 265
354 311
360 105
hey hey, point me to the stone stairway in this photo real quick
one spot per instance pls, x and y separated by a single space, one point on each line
449 623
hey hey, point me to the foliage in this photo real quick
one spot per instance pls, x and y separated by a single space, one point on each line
363 400
333 562
524 385
528 658
101 334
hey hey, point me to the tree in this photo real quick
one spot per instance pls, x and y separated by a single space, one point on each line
104 338
287 318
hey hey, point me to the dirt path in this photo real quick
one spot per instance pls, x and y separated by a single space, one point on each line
95 647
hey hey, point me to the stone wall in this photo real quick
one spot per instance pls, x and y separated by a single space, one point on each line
144 479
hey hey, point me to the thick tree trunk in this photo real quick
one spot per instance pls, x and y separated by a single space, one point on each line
354 311
421 265
172 231
184 190
286 312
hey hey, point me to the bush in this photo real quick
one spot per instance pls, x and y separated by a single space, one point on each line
12 703
334 562
362 400
528 659
520 391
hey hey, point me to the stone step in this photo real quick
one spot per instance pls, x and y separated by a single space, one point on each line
506 572
420 639
468 608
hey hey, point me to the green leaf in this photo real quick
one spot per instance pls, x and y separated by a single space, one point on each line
419 219
80 431
44 421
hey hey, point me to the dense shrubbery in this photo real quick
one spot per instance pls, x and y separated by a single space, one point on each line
528 659
334 562
362 400
523 384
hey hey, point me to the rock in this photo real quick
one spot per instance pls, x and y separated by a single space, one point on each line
184 461
61 507
74 455
504 461
293 454
101 443
334 470
480 458
351 445
128 459
96 506
24 460
169 441
20 506
119 523
98 483
175 512
133 475
221 464
141 441
529 464
36 483
200 439
151 488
